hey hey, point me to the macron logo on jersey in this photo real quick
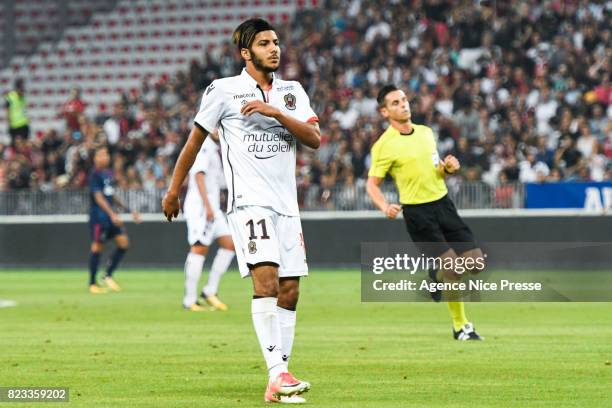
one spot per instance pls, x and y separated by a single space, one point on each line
245 95
284 88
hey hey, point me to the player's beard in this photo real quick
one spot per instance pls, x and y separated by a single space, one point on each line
259 64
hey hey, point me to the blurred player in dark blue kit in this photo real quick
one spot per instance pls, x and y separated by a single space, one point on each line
104 222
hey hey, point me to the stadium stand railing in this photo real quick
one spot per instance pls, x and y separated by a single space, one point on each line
339 198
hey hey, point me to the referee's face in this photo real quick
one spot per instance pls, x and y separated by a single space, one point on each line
396 107
265 51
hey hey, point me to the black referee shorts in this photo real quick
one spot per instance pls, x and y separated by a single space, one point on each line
436 227
23 132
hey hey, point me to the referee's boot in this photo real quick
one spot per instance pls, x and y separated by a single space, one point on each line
467 332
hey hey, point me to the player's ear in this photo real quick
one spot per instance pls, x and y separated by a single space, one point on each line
245 53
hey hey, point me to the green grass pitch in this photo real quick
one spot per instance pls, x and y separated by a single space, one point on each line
139 348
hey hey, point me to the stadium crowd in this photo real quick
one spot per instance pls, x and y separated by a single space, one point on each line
517 91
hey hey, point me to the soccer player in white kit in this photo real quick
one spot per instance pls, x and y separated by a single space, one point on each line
206 223
260 120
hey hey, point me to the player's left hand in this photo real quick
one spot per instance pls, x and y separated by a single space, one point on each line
136 217
265 109
451 164
210 215
171 206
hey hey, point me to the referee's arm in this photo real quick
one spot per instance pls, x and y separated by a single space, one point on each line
373 188
449 165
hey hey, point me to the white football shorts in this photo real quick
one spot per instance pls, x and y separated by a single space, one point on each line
261 234
199 229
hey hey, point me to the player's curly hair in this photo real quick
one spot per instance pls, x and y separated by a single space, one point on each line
245 33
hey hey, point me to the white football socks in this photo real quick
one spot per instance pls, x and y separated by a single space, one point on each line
193 270
222 261
267 327
286 319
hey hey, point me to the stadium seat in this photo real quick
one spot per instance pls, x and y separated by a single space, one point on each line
111 45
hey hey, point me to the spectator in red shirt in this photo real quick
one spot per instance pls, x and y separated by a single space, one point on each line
603 93
73 109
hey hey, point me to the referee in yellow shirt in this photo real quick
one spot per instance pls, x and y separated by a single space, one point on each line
408 152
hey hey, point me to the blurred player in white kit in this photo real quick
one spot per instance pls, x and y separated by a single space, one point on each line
206 223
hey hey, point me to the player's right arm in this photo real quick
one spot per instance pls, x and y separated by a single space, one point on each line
206 121
170 203
106 207
199 179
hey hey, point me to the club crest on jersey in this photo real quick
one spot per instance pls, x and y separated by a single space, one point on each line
252 247
290 101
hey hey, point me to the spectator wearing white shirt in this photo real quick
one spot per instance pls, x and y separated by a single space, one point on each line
364 106
345 115
378 29
586 143
112 126
545 110
531 170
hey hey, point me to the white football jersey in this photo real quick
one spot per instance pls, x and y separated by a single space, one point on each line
258 152
208 161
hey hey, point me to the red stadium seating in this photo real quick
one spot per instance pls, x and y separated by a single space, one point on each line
115 50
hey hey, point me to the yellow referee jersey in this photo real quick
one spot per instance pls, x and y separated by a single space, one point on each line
412 160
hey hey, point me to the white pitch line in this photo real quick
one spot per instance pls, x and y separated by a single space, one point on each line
7 303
